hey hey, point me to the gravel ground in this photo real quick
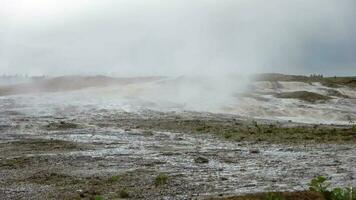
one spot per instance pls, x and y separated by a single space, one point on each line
83 154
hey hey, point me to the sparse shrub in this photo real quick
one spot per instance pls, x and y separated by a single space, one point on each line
274 196
114 179
200 129
343 194
269 131
320 185
124 194
228 135
333 131
354 128
161 179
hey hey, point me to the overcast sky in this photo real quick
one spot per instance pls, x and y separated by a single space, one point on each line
177 37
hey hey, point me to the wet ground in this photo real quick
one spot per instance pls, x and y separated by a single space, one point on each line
68 152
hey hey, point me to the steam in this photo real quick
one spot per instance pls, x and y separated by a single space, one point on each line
177 37
202 47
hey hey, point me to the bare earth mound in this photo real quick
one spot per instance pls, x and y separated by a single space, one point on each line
303 95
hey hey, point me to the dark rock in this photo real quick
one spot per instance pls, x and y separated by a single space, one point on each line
201 159
254 151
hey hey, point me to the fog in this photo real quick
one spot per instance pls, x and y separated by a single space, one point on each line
177 37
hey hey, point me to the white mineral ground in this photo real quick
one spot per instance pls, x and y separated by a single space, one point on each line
232 169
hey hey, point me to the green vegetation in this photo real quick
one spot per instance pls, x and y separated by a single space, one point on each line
161 179
301 195
274 196
235 130
339 81
15 163
228 135
99 198
303 95
334 82
258 128
320 185
124 194
114 179
91 187
319 189
15 149
343 194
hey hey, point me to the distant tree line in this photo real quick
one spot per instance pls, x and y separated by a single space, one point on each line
316 76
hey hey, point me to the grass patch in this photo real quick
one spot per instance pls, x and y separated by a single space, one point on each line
235 130
39 145
16 163
161 179
99 198
319 189
124 194
66 186
274 196
228 135
302 195
114 179
333 82
336 82
52 178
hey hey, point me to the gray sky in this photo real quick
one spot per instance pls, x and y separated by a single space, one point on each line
176 37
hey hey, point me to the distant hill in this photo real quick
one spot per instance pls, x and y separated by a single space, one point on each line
69 83
327 81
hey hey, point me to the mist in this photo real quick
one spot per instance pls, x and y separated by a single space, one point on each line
155 37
